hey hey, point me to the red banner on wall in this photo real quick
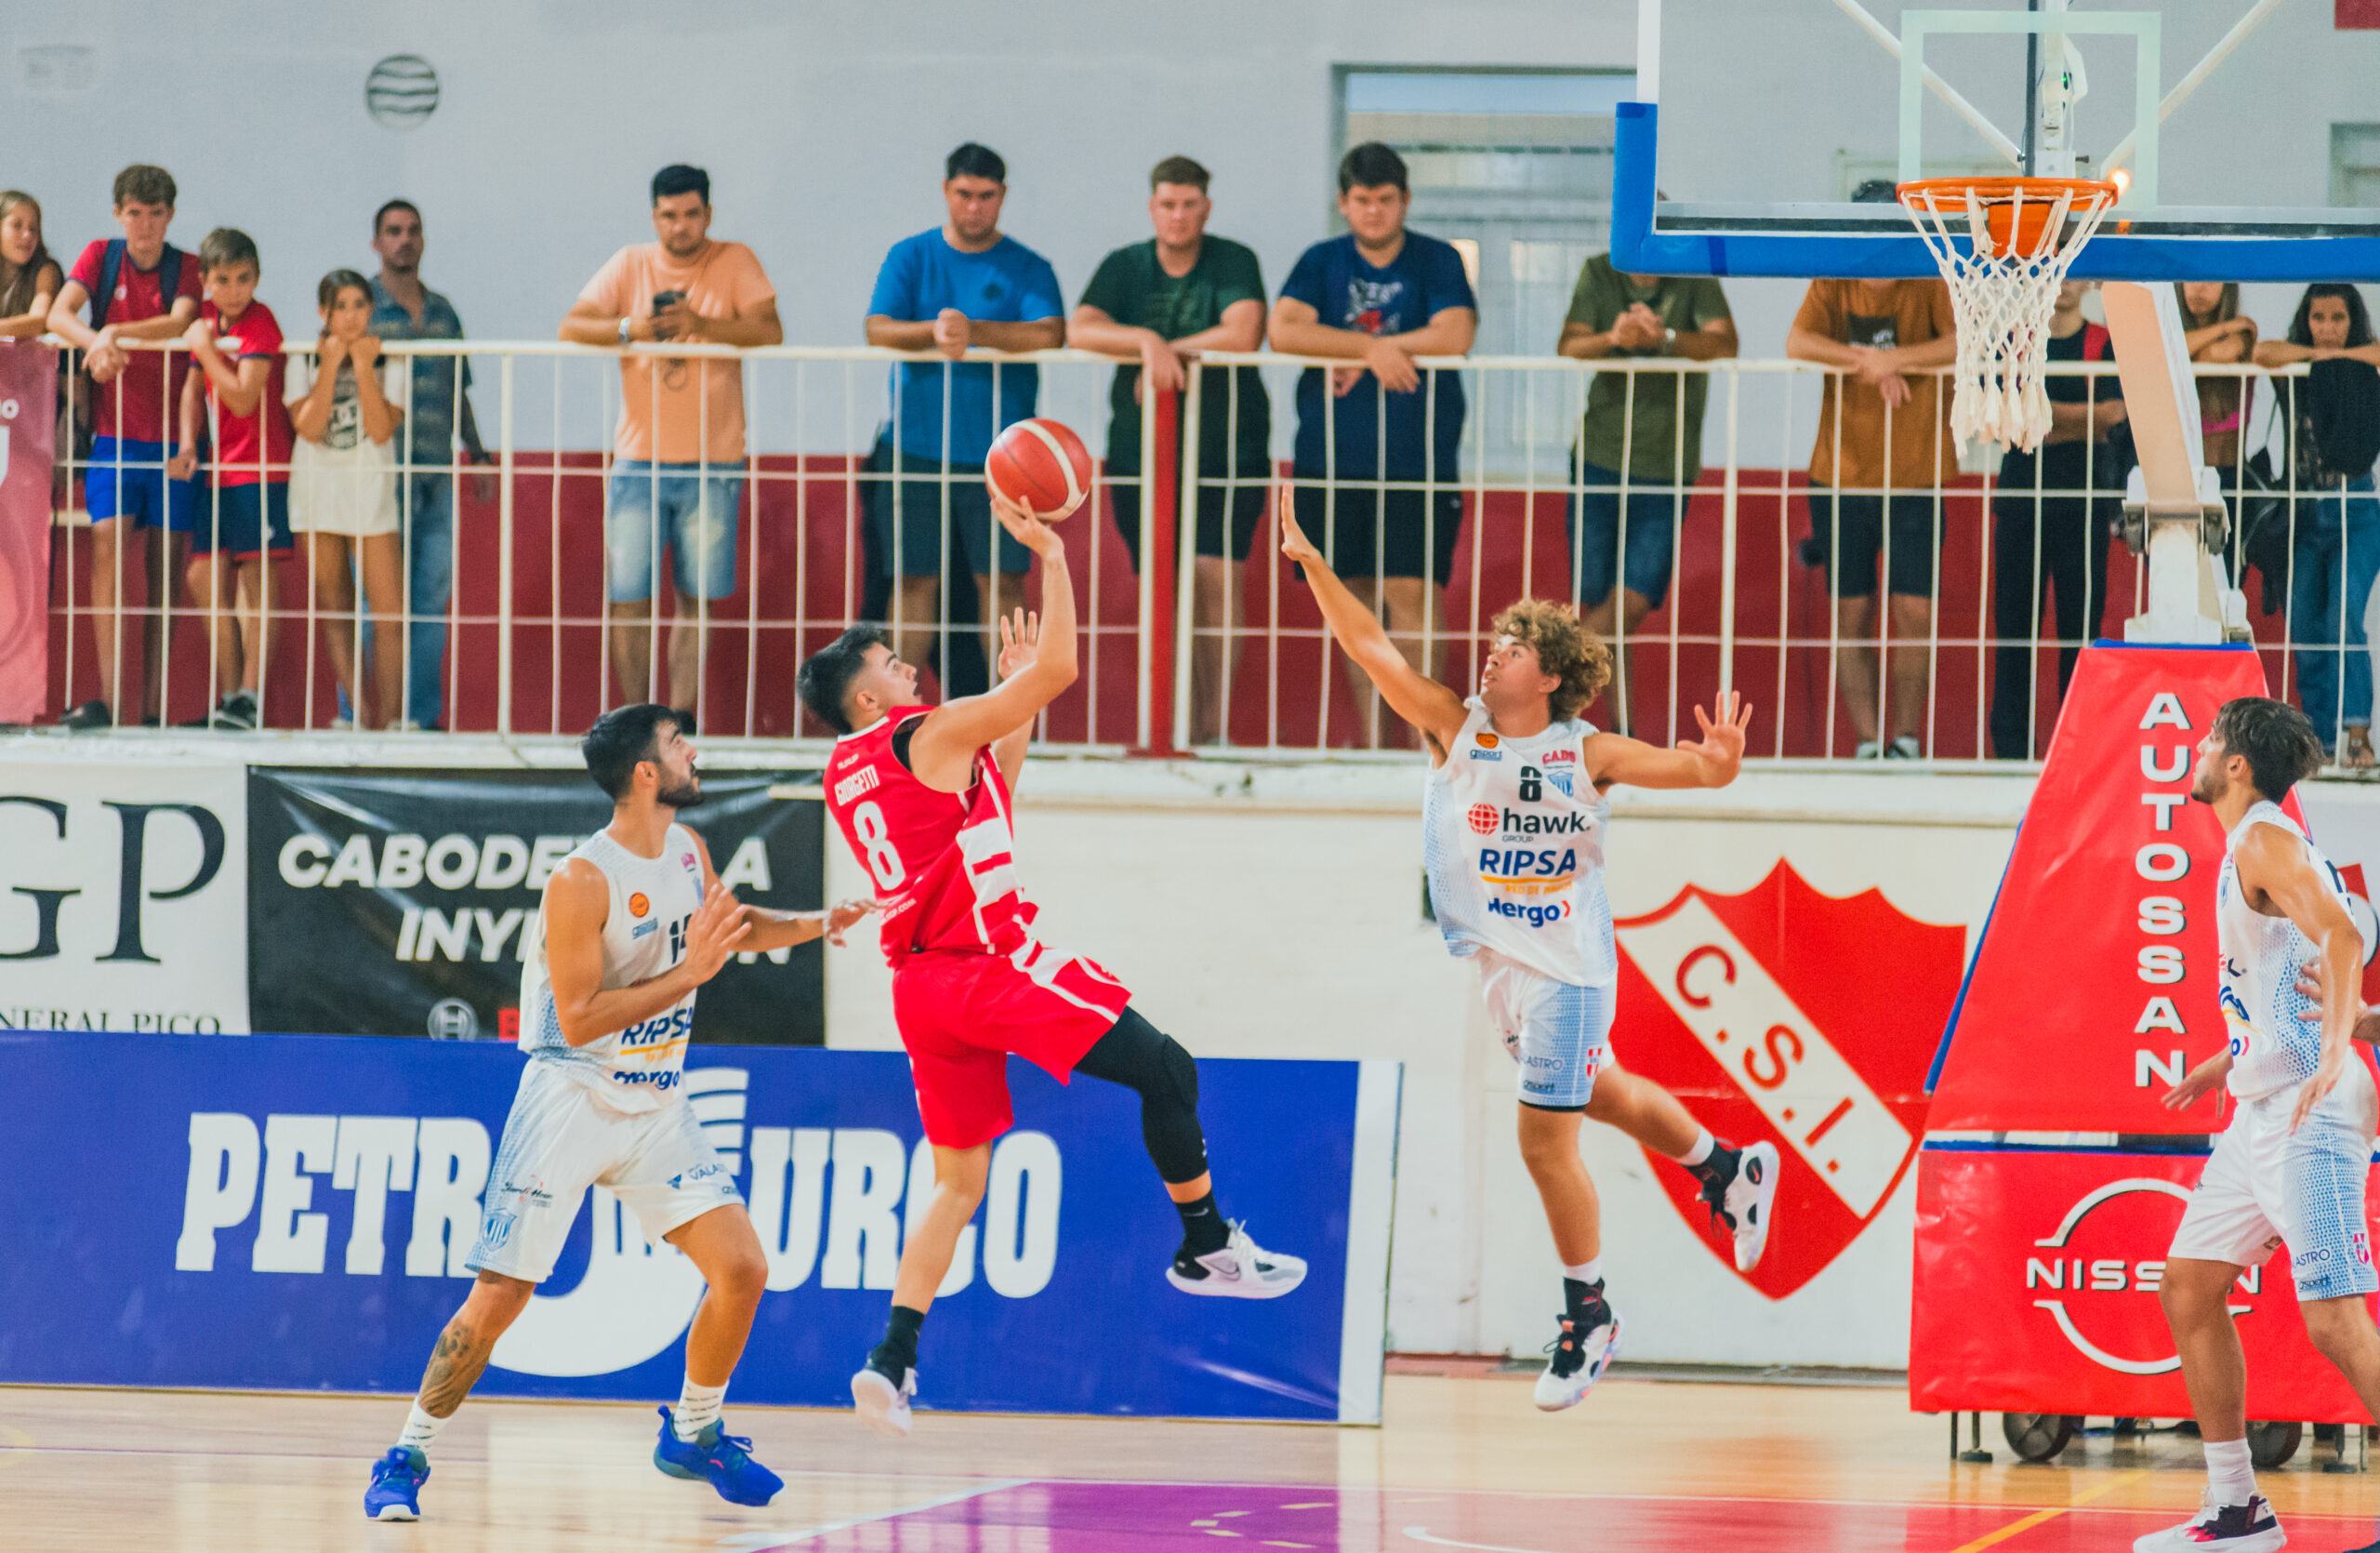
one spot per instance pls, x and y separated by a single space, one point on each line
2035 1291
2094 989
28 425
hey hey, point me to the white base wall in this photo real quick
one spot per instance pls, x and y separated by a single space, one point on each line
1277 912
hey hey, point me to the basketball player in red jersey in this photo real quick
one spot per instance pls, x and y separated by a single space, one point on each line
921 794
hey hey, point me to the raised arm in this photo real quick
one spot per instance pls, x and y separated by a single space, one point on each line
1709 762
942 751
1435 711
576 901
776 930
2273 863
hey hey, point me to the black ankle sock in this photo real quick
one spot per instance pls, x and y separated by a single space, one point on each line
1203 1230
898 1352
1718 1165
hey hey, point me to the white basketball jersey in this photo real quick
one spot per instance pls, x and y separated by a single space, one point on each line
644 933
1512 838
2263 957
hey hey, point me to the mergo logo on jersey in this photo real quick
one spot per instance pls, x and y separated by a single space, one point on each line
1534 915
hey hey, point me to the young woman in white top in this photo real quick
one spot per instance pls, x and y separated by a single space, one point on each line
343 495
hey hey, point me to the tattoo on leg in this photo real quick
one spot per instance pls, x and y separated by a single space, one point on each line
455 1367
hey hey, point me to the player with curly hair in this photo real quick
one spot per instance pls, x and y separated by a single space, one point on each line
1513 826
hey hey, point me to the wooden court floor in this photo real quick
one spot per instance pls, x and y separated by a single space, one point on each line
1462 1462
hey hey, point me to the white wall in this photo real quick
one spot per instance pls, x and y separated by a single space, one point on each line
1277 912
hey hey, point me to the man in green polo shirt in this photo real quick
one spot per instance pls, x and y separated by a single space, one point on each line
1159 304
1638 452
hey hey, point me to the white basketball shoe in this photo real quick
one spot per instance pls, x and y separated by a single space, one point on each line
1590 1339
2249 1528
1742 1201
883 1406
1242 1269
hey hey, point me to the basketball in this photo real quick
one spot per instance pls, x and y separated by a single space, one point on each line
1041 466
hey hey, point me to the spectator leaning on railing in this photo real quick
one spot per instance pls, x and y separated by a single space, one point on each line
1640 430
1883 451
2216 333
963 283
436 415
1161 303
242 522
2334 436
140 288
2051 535
678 474
29 278
1378 297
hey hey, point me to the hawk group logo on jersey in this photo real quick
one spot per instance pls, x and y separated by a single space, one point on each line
1482 818
1763 1010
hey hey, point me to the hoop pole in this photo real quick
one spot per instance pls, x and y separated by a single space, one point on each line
2190 83
1940 87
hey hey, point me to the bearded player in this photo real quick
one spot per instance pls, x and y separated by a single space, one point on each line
631 926
1513 822
921 794
2290 1168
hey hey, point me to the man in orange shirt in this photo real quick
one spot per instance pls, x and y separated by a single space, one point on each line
1874 483
677 473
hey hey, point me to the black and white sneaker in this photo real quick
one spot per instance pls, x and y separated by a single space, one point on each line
1741 1200
2249 1528
1590 1339
1242 1269
89 715
884 1406
237 713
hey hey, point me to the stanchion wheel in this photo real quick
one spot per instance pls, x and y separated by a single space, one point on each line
2270 1444
2039 1435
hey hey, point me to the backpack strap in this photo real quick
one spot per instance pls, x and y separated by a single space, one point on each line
111 265
2096 342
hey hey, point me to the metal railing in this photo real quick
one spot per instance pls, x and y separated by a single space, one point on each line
1195 651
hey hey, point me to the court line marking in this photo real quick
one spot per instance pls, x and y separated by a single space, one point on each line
2017 1528
759 1542
1421 1534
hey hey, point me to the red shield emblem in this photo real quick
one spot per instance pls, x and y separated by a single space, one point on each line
1791 1016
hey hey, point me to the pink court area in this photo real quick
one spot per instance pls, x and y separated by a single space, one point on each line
1463 1461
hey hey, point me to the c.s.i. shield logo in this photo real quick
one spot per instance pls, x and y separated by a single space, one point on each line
1801 1018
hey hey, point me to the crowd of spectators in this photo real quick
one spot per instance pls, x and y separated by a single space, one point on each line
353 453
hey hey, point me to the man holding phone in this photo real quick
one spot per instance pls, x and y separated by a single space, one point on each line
678 469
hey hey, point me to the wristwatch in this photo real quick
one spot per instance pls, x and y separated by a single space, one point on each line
1669 340
624 331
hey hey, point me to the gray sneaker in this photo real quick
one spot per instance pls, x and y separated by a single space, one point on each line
237 714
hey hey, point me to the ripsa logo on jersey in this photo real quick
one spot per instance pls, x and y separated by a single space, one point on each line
1498 864
670 1024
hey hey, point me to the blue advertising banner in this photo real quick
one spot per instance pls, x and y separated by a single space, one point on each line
292 1212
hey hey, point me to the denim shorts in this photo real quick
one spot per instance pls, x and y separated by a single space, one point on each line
671 506
1642 557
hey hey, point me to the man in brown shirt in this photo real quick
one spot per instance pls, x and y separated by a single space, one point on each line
1883 449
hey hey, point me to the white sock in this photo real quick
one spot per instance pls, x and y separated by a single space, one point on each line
697 1409
1588 1271
421 1429
2229 1470
1703 1143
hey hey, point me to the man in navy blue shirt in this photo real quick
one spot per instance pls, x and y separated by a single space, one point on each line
962 284
1375 459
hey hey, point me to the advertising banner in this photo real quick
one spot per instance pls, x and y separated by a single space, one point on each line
292 1212
123 896
28 426
2036 1292
2094 989
402 902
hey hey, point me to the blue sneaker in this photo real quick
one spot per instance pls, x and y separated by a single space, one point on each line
395 1494
722 1460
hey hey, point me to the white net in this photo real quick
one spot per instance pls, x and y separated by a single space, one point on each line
2003 301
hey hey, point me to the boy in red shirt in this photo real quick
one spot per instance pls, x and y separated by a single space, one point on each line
243 519
141 289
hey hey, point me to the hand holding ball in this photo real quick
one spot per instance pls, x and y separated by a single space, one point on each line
1041 466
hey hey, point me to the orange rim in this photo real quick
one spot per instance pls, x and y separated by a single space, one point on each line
1999 191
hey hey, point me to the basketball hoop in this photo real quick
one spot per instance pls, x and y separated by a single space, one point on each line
2021 235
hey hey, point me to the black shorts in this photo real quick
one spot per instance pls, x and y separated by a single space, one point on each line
1359 538
1849 555
1245 502
923 545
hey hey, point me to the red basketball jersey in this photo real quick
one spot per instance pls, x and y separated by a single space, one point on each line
943 863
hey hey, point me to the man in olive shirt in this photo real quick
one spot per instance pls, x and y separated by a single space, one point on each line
1161 303
1640 448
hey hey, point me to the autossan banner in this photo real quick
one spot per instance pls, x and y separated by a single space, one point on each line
402 902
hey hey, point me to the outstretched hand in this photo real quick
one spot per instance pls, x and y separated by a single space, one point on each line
1294 544
1024 528
1020 642
1720 750
2199 1083
843 916
712 933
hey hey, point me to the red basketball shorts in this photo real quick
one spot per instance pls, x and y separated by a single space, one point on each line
961 1015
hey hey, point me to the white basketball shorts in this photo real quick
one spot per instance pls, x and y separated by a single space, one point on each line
2265 1187
559 1140
1559 1032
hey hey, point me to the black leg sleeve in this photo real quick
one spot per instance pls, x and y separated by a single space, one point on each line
1144 1058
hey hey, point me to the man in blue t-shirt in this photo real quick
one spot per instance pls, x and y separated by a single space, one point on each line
1380 297
963 283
